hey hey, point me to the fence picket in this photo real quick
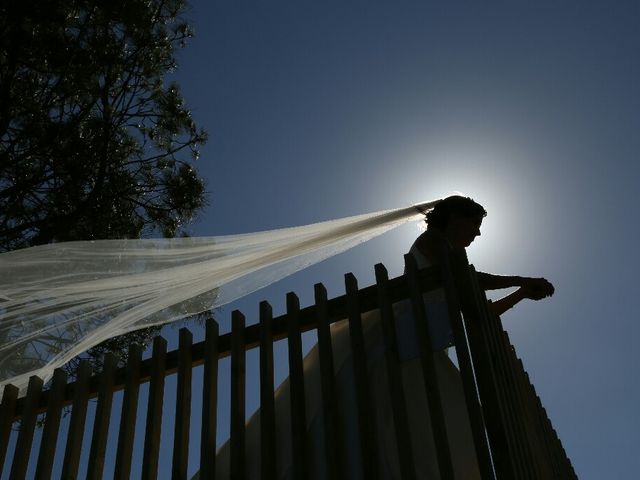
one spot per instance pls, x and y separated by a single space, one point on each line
27 427
75 433
183 407
494 415
7 409
101 420
394 376
535 445
209 402
517 433
434 398
126 434
237 442
267 404
333 444
467 374
51 426
296 390
366 419
520 450
153 427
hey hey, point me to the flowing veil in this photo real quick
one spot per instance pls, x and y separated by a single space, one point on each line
58 300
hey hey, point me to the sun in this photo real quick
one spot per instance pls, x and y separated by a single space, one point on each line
486 177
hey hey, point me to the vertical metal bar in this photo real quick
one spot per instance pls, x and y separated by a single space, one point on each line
7 409
27 427
183 407
527 449
267 404
394 374
153 428
51 426
366 418
431 382
75 433
102 418
467 374
494 415
532 467
539 465
333 441
566 468
126 434
237 445
209 402
536 433
561 463
520 449
296 386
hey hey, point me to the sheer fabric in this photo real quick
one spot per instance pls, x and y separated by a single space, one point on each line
58 300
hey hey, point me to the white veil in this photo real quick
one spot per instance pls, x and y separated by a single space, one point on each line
58 300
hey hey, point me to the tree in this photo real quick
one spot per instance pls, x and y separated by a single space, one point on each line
94 142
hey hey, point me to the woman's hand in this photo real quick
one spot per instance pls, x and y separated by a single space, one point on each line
536 288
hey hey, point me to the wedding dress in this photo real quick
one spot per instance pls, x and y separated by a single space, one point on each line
423 447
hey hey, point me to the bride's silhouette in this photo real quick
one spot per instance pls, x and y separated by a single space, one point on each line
453 223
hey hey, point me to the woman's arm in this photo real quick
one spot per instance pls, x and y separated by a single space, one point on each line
540 286
505 303
529 290
489 281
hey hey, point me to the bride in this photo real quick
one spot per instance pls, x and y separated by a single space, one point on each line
453 223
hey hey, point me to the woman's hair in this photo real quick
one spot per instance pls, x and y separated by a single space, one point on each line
465 207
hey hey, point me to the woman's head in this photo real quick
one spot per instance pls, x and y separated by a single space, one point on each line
459 218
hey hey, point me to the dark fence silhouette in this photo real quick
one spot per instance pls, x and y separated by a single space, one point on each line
512 435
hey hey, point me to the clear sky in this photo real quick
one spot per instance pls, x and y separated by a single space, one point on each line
319 110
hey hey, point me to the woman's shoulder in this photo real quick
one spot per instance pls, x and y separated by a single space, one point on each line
431 244
430 239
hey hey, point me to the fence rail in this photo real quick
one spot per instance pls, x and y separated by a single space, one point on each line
512 435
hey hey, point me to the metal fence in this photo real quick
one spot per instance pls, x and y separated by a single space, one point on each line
512 435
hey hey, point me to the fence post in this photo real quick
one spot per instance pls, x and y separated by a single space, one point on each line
333 444
27 427
101 420
154 410
491 328
183 407
237 396
501 448
430 375
366 418
534 447
7 409
75 433
394 377
128 416
267 402
296 389
209 402
51 426
467 374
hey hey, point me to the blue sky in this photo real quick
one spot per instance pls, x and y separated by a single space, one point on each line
319 110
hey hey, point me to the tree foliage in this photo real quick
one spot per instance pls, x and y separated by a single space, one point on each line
95 143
